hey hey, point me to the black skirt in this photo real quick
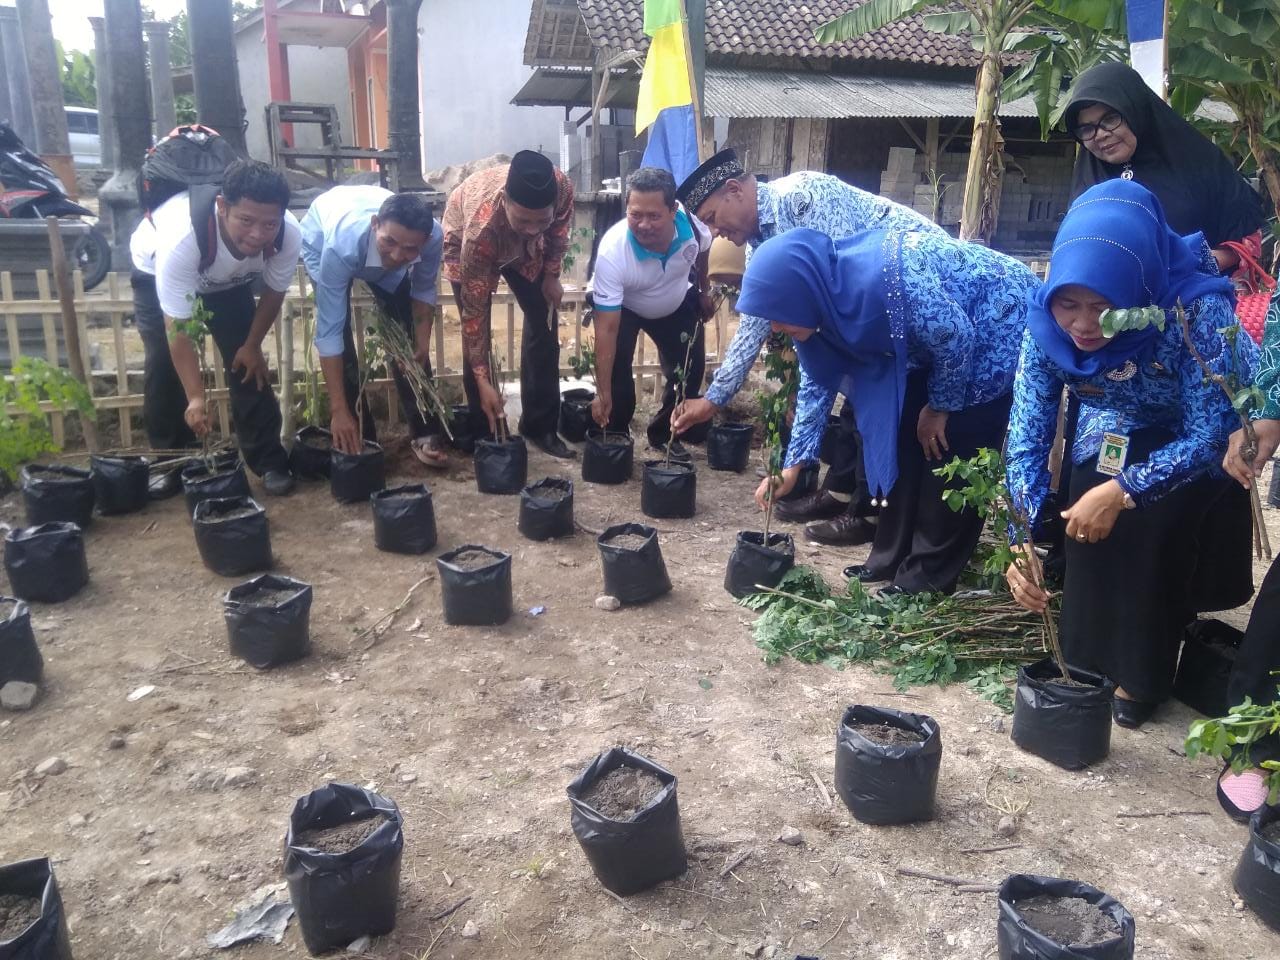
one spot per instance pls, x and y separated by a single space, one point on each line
1126 600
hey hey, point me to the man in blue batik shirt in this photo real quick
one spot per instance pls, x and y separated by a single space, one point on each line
749 211
392 243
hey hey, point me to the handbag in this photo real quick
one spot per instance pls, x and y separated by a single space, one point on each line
1254 289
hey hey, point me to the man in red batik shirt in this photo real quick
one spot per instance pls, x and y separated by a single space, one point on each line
512 222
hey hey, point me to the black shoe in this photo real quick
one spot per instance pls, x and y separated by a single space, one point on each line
819 505
863 574
845 530
551 443
278 482
679 453
893 590
1132 713
162 486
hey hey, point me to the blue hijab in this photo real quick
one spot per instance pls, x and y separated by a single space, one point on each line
844 293
1115 241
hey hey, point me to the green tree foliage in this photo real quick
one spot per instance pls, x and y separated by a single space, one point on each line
76 68
24 427
1232 736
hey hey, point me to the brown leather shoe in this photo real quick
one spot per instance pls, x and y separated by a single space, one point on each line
819 505
845 530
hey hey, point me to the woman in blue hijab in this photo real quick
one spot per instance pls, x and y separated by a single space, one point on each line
920 332
1150 430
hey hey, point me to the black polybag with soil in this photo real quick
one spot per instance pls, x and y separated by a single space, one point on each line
475 597
882 783
729 446
463 426
265 635
120 484
311 453
1257 876
53 492
1069 726
342 897
669 490
404 519
502 466
546 509
575 414
753 565
19 653
1017 940
607 458
632 855
223 477
47 562
232 545
355 477
633 575
47 938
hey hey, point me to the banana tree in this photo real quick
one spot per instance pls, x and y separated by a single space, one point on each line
989 24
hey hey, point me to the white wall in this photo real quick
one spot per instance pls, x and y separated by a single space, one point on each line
472 63
316 75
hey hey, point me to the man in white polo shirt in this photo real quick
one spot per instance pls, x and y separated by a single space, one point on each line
214 244
650 276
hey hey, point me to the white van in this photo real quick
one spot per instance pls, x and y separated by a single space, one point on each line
82 130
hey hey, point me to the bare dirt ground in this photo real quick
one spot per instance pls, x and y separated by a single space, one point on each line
475 733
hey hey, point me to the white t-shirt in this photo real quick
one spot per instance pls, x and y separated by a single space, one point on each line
142 247
646 283
179 279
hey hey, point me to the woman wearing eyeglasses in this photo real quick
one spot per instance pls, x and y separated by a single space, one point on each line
1127 131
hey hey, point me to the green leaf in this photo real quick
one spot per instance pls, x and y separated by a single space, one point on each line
868 17
959 23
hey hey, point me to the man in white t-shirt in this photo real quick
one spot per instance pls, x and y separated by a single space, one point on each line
650 276
246 235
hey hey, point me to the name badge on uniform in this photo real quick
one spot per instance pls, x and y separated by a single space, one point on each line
1114 452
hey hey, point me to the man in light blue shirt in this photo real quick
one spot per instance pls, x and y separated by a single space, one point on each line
392 243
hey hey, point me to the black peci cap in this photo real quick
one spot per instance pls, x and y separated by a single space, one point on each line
709 178
531 181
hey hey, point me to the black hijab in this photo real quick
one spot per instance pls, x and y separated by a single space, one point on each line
1195 183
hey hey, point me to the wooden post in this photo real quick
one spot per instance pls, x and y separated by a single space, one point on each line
70 327
704 147
284 355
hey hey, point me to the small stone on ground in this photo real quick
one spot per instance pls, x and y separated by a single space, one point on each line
791 836
606 602
18 695
51 767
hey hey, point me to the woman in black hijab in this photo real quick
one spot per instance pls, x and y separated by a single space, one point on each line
1127 131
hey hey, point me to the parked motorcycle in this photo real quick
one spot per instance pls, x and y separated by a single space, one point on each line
30 190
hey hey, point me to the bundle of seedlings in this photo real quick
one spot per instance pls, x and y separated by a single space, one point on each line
342 857
397 347
669 489
761 559
502 464
1061 713
976 637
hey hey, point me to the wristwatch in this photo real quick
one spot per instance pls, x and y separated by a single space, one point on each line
1128 501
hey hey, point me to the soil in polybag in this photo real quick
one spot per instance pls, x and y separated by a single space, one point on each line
887 764
669 491
729 446
33 921
502 466
1054 909
19 654
607 457
1257 876
1067 725
120 484
232 535
46 563
546 509
340 897
311 453
475 585
55 493
404 519
225 479
575 414
269 620
642 845
355 477
634 570
752 565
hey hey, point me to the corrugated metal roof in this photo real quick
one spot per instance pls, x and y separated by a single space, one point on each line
776 93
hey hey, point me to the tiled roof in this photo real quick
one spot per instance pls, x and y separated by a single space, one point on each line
781 28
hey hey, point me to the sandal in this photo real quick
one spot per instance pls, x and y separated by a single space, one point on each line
430 451
1240 794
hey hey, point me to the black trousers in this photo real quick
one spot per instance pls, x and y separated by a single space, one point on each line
666 333
255 413
399 307
539 362
164 402
1256 672
921 544
845 471
1126 600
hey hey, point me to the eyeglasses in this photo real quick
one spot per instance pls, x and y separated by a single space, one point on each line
1109 121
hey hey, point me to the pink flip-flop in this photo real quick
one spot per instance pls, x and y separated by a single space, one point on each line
1240 794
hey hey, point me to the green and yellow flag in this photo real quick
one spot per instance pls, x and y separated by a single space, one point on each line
665 81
